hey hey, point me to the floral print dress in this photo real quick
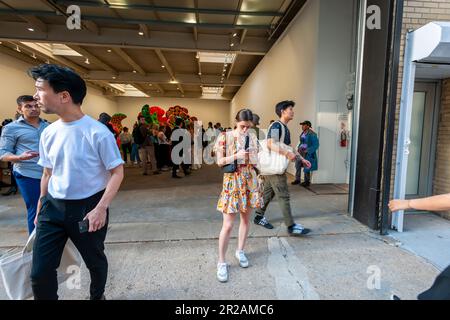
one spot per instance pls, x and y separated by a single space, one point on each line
242 190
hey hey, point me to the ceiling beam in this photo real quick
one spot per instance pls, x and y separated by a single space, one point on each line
88 21
197 20
49 55
39 60
145 7
168 67
243 34
163 78
129 60
160 89
21 56
92 58
231 67
35 23
144 29
176 41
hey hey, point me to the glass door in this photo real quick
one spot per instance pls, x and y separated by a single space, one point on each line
420 165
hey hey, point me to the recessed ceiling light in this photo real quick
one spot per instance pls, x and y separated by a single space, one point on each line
232 45
225 65
87 61
30 29
234 34
199 73
150 84
114 77
134 71
140 33
163 66
109 50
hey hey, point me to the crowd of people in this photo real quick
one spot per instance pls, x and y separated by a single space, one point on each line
50 161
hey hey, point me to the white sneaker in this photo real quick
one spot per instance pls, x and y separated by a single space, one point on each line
222 272
243 261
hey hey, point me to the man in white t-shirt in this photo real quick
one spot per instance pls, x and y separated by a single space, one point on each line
83 171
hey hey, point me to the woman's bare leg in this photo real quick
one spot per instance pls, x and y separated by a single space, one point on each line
244 227
224 237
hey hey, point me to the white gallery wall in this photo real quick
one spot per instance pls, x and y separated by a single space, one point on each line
310 64
15 82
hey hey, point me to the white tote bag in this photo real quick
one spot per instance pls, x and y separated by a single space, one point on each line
15 268
270 162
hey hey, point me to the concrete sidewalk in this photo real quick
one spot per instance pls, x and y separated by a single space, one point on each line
163 241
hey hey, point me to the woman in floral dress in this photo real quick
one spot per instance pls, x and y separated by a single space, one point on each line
241 190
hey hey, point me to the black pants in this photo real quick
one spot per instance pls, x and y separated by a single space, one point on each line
58 221
175 167
440 289
126 148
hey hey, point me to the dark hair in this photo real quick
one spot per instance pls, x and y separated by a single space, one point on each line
61 79
210 124
23 99
6 121
283 105
125 129
104 118
178 121
244 115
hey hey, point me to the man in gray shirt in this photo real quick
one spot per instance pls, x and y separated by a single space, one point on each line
19 144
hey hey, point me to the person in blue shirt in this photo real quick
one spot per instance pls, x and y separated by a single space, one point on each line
19 144
307 147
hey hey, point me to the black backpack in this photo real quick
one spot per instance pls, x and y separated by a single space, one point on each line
137 135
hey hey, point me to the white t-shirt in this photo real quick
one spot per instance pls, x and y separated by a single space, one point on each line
80 154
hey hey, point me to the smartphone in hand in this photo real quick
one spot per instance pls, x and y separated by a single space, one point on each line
83 226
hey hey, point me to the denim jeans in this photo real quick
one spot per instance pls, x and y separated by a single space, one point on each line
31 190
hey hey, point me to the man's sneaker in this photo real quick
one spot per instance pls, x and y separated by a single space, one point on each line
298 230
296 182
243 261
395 297
222 272
262 221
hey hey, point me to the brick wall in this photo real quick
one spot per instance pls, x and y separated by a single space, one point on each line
441 182
415 15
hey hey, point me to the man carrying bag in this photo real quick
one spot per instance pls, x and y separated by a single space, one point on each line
274 158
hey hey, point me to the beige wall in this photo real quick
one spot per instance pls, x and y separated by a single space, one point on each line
287 72
205 110
310 64
15 82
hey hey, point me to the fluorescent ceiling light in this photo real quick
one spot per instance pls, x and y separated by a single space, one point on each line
214 57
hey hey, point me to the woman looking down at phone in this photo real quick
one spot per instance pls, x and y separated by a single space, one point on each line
237 156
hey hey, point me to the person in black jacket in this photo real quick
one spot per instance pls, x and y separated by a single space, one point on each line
179 125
